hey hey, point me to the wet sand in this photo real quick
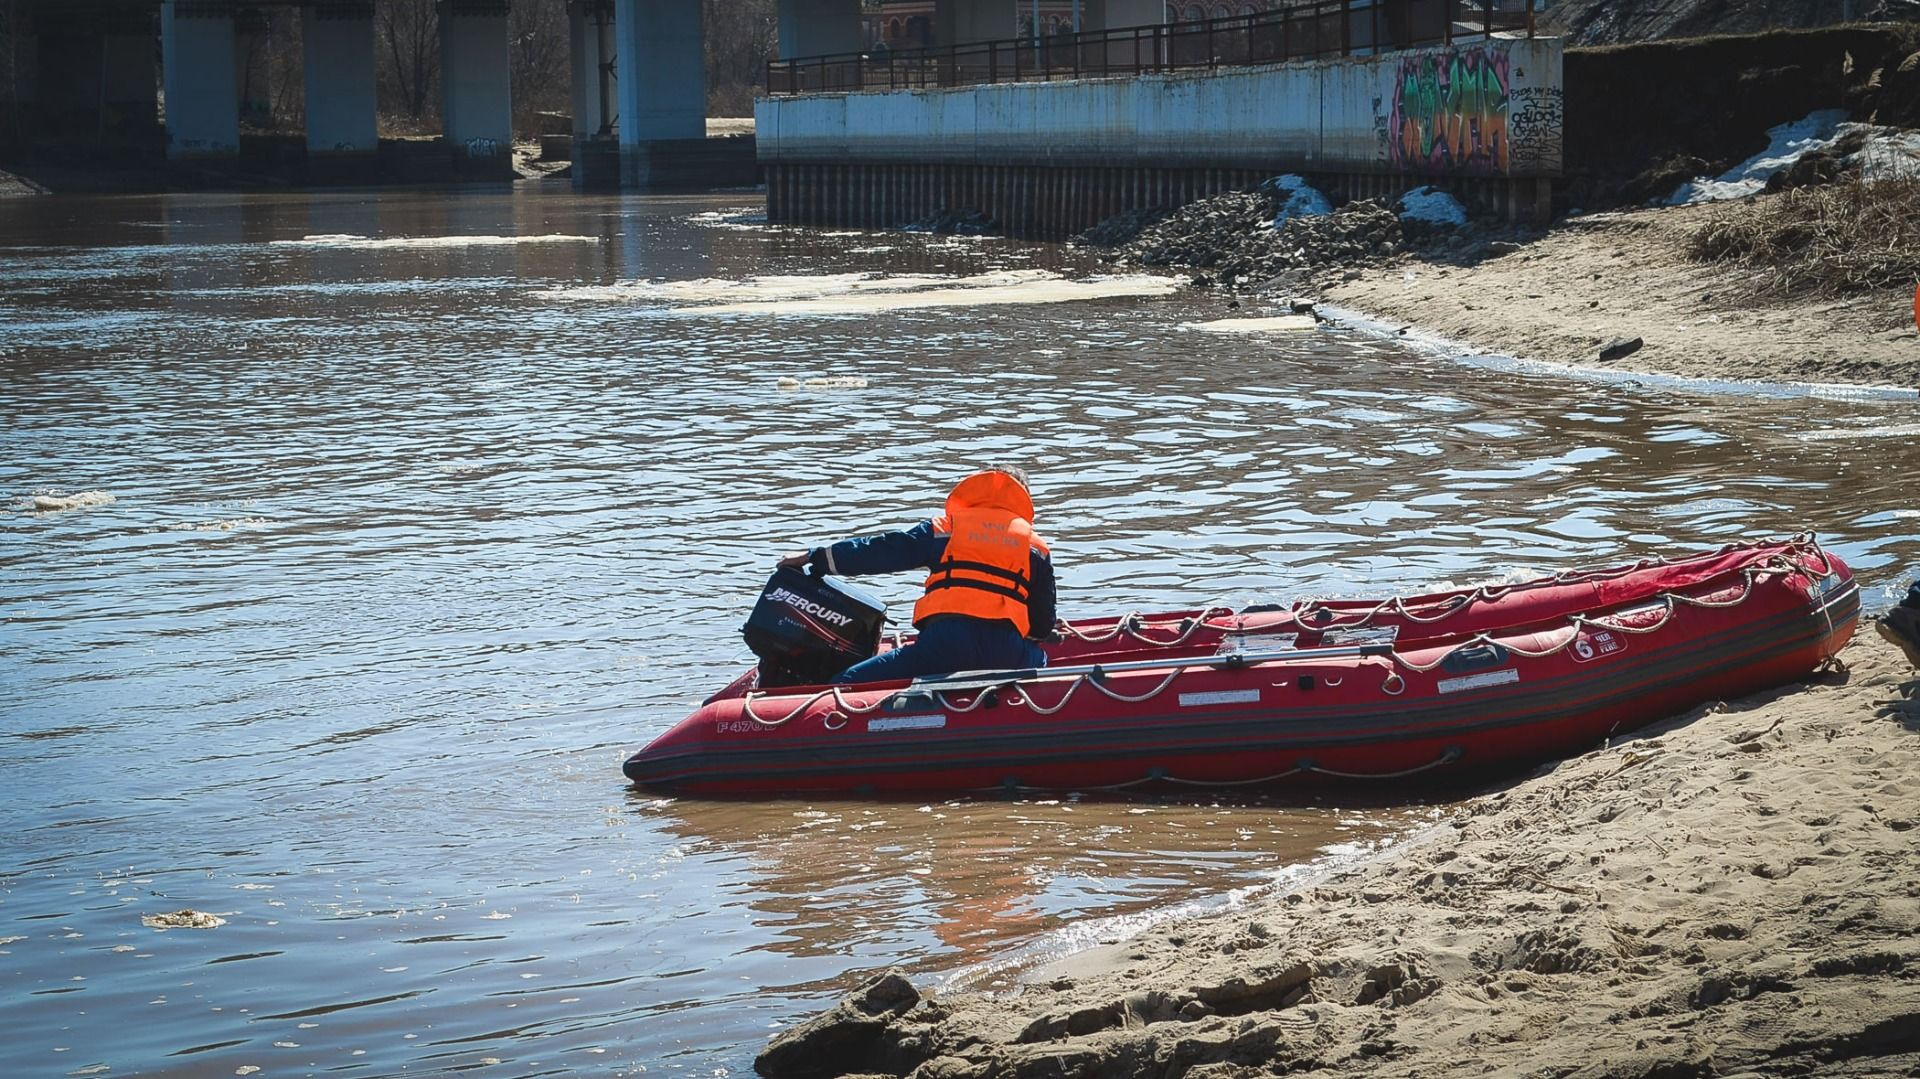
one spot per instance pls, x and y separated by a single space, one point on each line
1595 280
1736 891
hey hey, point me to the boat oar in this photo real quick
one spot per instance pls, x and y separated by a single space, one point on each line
972 680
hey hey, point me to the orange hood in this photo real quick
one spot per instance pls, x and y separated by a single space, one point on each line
991 490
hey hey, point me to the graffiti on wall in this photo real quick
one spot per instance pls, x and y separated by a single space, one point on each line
1536 125
1450 111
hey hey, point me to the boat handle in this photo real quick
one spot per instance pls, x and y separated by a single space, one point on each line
1393 685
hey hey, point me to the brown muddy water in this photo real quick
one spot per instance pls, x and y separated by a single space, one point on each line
427 509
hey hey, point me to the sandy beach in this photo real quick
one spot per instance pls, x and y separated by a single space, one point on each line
1731 892
1592 281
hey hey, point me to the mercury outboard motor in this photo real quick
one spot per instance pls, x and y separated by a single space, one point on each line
806 629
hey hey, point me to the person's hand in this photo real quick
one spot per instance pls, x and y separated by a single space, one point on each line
796 560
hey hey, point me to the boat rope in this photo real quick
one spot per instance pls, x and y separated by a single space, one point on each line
1020 693
1317 617
1452 753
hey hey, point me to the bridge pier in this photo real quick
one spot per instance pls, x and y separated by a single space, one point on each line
337 50
663 86
476 107
202 103
590 49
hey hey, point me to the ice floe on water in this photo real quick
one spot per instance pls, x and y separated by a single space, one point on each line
823 382
353 241
1267 324
232 524
1895 430
738 217
53 503
866 293
183 919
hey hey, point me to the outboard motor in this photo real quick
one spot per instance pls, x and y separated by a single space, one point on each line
806 629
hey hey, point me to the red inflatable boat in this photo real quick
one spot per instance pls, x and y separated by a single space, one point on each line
1435 686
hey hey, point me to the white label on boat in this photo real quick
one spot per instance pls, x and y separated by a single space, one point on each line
1362 635
1256 642
1222 696
1592 644
907 723
1475 681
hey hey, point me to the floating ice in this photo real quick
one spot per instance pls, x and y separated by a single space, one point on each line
864 293
1252 325
352 241
825 382
50 503
182 919
744 218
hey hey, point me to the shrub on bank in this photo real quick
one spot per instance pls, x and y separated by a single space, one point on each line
1838 239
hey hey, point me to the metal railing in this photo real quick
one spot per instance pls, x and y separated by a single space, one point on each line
1302 30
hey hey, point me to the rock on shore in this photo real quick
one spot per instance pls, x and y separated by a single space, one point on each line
12 186
1733 892
1233 237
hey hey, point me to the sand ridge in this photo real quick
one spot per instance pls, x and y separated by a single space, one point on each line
1595 280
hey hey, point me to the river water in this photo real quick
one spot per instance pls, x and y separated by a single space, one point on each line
427 509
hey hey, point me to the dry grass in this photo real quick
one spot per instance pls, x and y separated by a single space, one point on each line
1834 240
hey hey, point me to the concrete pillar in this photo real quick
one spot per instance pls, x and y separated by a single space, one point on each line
820 27
203 111
663 83
476 101
337 50
959 22
590 59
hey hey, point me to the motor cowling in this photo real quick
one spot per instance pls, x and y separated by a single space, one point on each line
807 628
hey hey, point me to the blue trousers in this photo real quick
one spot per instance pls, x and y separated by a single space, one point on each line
952 643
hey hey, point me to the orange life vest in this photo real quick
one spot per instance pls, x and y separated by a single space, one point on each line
987 570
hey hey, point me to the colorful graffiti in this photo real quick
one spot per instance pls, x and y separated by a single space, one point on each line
1450 111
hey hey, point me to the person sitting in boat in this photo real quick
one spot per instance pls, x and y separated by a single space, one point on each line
989 597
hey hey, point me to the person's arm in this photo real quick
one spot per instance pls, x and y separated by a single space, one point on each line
1040 598
885 552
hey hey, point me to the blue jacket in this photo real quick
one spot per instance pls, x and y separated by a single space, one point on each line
919 548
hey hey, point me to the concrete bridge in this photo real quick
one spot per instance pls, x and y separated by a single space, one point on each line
1047 135
74 63
77 67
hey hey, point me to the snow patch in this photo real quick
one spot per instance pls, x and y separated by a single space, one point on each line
1302 199
1786 144
1432 206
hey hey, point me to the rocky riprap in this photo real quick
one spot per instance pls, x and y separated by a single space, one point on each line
1232 237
